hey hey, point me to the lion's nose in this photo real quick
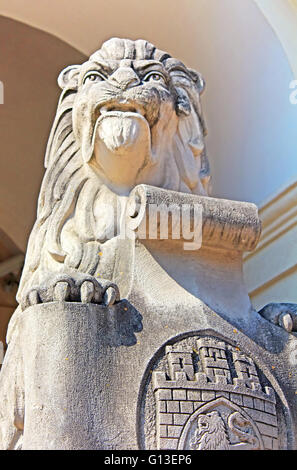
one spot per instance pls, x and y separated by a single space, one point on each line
124 77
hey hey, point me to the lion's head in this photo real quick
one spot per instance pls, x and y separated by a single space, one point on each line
211 433
131 114
137 117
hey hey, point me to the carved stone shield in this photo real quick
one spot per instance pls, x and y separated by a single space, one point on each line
207 394
220 425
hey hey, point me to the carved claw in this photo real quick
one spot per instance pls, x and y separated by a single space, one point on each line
282 314
111 294
30 298
286 321
87 291
61 291
90 291
64 288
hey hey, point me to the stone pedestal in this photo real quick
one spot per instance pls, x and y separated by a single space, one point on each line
185 349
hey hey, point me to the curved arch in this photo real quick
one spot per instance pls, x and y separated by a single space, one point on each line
282 16
53 17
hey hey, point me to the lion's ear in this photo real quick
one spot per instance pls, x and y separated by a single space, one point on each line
68 76
198 79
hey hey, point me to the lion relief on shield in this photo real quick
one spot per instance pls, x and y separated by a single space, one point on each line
129 115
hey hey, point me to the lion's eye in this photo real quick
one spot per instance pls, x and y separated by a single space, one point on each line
93 77
154 76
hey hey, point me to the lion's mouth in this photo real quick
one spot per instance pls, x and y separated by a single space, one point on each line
121 125
120 110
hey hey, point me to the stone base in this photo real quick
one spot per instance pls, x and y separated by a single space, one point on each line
92 378
184 347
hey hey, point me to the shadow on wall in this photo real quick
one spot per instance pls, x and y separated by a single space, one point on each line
30 62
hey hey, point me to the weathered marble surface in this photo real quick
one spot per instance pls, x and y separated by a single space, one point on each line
87 370
138 342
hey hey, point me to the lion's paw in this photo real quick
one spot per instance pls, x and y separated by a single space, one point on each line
65 288
282 314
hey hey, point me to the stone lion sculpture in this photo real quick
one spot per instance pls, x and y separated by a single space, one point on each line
131 114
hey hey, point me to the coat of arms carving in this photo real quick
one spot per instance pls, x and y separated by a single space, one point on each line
209 396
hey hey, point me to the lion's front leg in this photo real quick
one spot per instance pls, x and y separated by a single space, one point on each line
282 314
77 287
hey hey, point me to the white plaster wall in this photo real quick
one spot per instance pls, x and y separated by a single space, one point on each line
252 125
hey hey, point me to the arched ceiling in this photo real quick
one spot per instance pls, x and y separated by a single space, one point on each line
282 15
92 19
168 22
